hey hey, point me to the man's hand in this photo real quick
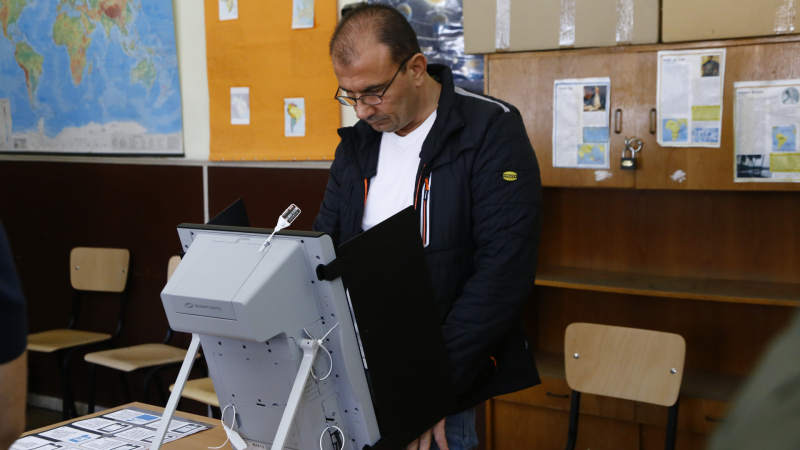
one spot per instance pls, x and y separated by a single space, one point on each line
424 441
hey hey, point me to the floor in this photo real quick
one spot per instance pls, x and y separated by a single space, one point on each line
40 417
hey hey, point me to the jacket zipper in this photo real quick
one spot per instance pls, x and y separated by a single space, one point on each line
426 210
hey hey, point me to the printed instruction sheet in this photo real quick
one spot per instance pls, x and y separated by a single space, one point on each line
766 117
126 429
581 123
689 97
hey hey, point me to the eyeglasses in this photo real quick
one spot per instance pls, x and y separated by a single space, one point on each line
370 99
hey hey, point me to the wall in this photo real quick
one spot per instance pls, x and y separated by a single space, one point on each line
49 208
190 34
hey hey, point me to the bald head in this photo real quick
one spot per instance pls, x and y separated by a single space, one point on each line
371 25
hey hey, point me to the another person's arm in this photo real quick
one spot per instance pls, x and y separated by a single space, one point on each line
13 389
13 341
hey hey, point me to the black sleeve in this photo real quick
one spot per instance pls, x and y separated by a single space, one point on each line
328 219
507 217
13 324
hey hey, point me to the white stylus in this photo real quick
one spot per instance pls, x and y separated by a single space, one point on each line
284 221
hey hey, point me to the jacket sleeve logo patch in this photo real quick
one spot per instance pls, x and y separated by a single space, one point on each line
510 176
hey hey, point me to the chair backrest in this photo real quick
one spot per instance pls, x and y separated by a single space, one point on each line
628 363
99 269
173 264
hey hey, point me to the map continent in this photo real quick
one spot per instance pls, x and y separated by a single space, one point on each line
89 76
676 130
591 155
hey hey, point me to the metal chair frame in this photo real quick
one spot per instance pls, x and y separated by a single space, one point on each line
64 356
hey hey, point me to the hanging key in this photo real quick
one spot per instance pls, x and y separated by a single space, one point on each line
632 145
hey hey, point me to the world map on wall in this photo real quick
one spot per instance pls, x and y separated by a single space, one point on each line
89 76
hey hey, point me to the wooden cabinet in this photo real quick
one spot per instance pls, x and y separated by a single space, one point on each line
526 80
695 258
520 426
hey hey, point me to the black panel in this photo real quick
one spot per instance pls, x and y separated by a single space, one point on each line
394 304
234 215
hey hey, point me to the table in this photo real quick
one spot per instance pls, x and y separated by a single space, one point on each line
207 438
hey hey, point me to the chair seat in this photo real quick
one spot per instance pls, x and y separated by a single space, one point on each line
52 340
136 357
202 390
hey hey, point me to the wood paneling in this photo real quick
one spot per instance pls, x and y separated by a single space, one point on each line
698 415
653 439
555 393
720 338
527 83
712 168
744 236
518 426
50 208
731 291
526 80
267 193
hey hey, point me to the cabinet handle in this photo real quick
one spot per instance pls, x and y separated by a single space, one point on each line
713 419
550 394
618 121
653 119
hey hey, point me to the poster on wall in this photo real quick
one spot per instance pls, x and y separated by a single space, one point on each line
440 31
85 77
689 97
580 123
766 117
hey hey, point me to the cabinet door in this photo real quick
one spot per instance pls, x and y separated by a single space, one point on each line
518 426
709 168
526 81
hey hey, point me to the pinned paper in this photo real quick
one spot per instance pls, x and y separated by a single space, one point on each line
581 123
240 106
689 97
294 115
766 118
302 13
228 9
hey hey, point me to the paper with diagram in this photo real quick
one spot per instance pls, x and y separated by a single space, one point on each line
766 117
125 429
689 97
581 123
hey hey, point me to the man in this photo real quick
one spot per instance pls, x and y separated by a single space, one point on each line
13 361
710 67
464 161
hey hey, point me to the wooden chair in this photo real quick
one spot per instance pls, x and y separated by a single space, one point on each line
628 363
153 357
91 269
202 390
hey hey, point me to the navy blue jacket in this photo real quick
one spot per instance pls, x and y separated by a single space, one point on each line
479 199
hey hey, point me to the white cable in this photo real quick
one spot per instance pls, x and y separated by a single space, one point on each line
222 419
319 341
341 433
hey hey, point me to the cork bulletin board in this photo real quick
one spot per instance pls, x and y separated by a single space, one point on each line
262 52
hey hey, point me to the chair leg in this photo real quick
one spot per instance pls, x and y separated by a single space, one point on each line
126 391
672 426
90 392
64 360
574 416
160 389
64 387
146 384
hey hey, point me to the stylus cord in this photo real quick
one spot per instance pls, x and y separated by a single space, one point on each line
222 419
319 341
328 429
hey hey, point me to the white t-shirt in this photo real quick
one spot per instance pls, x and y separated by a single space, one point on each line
392 188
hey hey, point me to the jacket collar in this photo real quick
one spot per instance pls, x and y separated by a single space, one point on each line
366 141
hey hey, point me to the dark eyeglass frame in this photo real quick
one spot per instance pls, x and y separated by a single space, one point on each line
343 98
